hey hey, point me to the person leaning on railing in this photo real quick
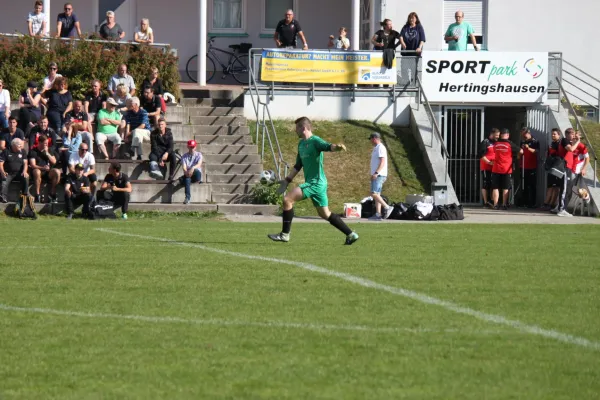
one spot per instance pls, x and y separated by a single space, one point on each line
110 30
341 42
385 38
144 34
412 36
286 31
36 20
67 23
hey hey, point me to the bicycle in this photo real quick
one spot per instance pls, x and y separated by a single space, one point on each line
237 65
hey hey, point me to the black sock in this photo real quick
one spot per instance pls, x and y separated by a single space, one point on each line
335 220
288 216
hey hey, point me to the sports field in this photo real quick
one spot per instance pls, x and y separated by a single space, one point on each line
186 309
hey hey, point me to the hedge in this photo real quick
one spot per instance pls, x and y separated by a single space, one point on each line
25 58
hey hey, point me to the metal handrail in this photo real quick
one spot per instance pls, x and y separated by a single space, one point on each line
579 98
580 70
579 79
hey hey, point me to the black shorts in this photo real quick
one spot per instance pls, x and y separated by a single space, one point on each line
93 178
500 181
554 181
486 180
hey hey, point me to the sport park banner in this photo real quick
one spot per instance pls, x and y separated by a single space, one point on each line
326 67
485 77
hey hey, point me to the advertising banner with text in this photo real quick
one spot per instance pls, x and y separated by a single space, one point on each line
485 77
343 67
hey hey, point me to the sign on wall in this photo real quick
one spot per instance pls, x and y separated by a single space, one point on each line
343 67
485 77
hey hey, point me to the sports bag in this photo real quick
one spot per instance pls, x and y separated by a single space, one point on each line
25 207
103 210
555 166
451 212
368 206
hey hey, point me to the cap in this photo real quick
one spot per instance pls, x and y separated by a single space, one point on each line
79 166
191 143
112 101
375 135
32 84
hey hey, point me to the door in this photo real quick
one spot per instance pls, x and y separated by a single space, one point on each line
463 131
366 23
537 121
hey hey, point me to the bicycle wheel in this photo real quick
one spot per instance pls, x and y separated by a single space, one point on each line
191 68
239 69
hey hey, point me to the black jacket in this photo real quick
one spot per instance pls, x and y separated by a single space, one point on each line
161 144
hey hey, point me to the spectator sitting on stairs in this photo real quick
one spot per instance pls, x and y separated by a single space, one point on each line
43 161
109 120
78 115
161 141
71 140
86 158
191 162
77 192
135 127
116 188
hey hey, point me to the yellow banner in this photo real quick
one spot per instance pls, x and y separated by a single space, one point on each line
343 67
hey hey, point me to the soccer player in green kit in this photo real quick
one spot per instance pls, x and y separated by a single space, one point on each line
310 157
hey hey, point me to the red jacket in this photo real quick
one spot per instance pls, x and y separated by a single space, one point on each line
503 162
566 154
487 148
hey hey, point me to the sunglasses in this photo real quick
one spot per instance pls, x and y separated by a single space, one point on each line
68 9
83 149
53 69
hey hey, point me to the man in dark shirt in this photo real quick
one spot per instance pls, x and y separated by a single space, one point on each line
116 188
77 192
530 147
78 116
152 105
10 133
565 151
505 152
486 161
42 161
67 23
13 166
95 100
42 129
286 31
161 141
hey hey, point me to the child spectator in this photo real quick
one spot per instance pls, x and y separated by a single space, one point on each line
36 20
341 42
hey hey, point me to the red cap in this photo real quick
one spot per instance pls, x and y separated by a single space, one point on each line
191 143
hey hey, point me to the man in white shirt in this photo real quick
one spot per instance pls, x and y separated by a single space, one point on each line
379 172
36 21
85 158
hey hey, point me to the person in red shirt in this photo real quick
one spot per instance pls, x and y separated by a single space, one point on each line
565 151
530 147
554 183
504 154
486 161
581 158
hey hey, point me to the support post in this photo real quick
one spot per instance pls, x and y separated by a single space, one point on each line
202 39
355 25
48 18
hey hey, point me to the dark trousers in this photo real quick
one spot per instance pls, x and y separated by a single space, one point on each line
171 159
5 183
55 120
74 201
529 187
187 182
25 117
566 190
119 199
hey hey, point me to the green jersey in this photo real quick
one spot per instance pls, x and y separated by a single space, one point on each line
102 114
310 157
463 31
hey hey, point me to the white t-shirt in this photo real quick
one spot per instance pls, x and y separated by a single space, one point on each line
88 160
378 152
341 44
144 36
48 83
4 100
36 22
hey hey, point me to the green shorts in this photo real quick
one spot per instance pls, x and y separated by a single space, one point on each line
317 193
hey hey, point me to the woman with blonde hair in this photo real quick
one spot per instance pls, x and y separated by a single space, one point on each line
121 97
71 139
145 33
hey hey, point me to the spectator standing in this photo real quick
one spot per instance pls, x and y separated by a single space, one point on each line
109 120
30 109
71 140
36 20
4 105
13 166
341 42
486 162
135 123
42 129
59 103
42 162
95 100
581 158
116 188
67 23
10 133
387 37
565 150
191 162
530 147
52 75
458 32
152 105
379 173
77 192
154 82
85 158
161 151
286 32
121 77
122 98
412 36
553 182
144 34
79 116
110 30
504 154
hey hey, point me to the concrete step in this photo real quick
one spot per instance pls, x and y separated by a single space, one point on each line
219 121
178 115
229 149
249 179
247 209
231 188
215 111
233 168
232 159
230 198
221 149
207 102
187 132
223 139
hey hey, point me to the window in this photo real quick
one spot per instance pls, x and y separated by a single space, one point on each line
228 16
273 11
475 13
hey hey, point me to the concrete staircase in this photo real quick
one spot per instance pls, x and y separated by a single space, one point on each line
232 165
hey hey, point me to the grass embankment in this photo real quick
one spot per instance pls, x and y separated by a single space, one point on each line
592 129
348 173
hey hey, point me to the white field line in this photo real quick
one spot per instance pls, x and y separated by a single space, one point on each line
225 322
103 246
423 298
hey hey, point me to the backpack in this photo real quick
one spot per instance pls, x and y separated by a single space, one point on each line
368 206
25 207
102 210
555 166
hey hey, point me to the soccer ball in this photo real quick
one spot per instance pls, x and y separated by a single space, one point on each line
267 177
